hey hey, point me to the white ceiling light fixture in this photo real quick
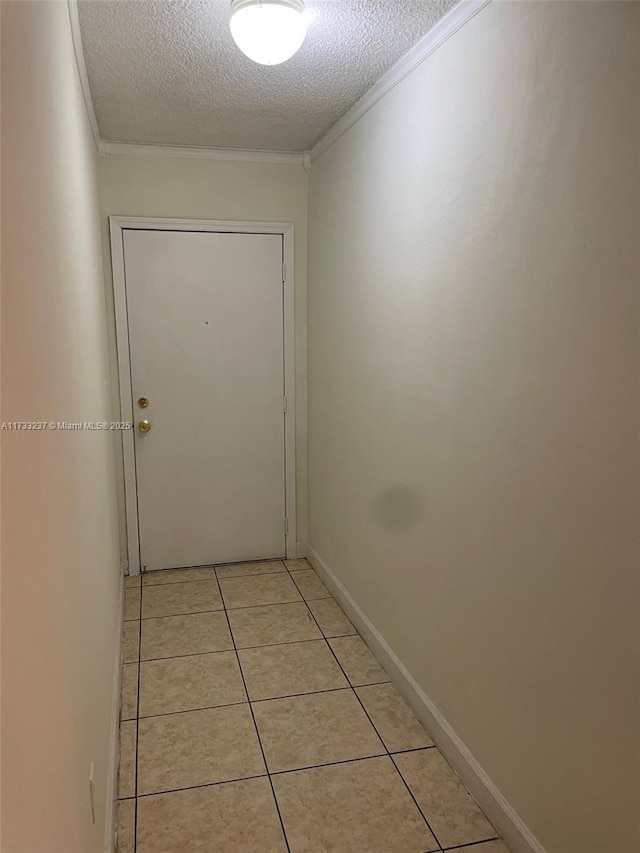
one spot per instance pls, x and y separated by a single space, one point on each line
268 31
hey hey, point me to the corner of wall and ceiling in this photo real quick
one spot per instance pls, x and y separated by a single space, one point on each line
82 71
293 158
441 32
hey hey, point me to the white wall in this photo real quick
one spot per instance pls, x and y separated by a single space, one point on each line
182 188
60 564
473 399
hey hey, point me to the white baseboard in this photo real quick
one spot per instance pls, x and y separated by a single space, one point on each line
507 822
111 804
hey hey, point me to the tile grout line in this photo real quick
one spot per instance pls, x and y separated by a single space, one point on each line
169 615
235 650
235 609
328 764
190 655
192 710
406 784
286 773
214 576
173 583
471 844
260 701
212 566
220 609
253 717
135 775
253 606
199 787
384 746
286 643
274 699
247 649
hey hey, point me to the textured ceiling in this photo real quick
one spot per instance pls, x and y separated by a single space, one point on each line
169 73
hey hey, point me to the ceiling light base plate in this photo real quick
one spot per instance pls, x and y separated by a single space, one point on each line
296 5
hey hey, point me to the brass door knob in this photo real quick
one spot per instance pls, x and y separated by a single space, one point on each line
144 426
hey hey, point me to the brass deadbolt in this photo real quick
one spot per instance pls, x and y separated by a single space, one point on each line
143 402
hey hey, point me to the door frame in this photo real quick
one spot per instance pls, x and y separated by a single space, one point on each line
117 226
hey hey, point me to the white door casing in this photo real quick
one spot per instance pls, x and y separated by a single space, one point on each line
204 318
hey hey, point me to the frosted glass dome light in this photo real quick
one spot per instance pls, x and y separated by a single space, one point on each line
268 31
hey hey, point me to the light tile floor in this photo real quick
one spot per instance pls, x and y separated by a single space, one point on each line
255 720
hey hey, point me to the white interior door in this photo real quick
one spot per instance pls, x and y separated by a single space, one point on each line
205 318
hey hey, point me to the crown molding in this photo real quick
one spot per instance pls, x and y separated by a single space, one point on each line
76 38
238 155
428 44
435 38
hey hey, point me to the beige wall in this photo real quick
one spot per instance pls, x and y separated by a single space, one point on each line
170 187
60 563
473 399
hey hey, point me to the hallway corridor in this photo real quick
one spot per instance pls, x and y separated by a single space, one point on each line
250 704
